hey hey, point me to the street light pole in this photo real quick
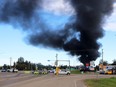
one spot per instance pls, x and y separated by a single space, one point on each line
57 69
56 60
69 66
102 59
10 62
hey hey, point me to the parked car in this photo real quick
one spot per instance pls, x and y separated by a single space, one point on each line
109 71
101 72
15 70
40 72
8 70
63 72
3 70
84 69
36 72
51 71
43 71
12 70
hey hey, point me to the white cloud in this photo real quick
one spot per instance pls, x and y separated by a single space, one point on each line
110 27
58 7
114 10
61 7
111 22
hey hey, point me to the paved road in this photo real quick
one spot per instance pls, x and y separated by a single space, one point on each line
56 81
11 78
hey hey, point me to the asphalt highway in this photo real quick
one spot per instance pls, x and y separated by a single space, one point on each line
49 80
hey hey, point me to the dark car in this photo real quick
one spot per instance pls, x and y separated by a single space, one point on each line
84 69
101 72
51 71
3 70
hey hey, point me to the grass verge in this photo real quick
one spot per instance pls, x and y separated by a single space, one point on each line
104 82
75 72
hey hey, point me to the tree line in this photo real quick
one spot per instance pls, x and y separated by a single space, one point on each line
22 64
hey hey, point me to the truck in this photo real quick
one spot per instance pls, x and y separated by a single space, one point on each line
12 70
63 72
110 70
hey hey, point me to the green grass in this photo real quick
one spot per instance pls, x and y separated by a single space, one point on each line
75 72
27 72
104 82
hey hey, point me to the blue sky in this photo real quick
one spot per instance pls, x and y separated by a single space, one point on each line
12 40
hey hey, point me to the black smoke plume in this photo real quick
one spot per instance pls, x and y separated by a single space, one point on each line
21 13
90 15
79 38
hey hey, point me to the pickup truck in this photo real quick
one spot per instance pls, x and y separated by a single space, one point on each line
12 70
63 72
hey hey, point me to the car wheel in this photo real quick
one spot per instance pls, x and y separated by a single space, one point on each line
68 73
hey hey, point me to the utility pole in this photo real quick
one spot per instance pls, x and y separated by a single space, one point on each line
102 56
102 59
69 66
10 62
56 60
57 69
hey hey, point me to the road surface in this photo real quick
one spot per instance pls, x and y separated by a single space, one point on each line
50 80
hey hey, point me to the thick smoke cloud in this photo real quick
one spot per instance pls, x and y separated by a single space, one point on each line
19 13
78 37
90 16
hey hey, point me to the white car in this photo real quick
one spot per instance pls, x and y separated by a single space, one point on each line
3 70
13 70
51 71
63 72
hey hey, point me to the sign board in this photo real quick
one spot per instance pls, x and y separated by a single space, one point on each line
92 63
87 65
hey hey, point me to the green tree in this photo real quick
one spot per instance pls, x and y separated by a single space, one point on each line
5 66
20 59
0 67
40 66
114 62
103 62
